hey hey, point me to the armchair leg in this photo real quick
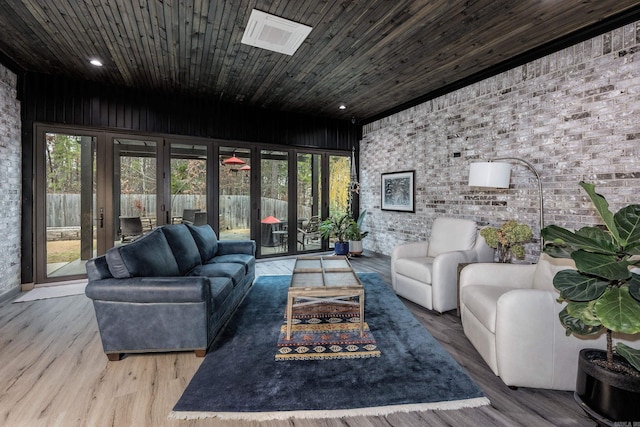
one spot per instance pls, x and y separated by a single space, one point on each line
200 353
114 357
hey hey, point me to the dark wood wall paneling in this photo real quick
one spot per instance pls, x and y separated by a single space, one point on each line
57 100
50 99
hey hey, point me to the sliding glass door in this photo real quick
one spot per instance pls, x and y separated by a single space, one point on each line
135 188
96 190
66 223
188 184
309 201
234 193
274 202
339 177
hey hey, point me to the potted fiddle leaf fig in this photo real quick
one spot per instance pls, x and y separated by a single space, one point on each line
337 226
355 235
508 239
602 294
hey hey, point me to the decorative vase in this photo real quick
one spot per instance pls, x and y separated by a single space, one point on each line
341 248
606 396
504 253
355 247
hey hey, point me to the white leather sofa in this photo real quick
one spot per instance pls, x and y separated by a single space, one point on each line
510 315
427 272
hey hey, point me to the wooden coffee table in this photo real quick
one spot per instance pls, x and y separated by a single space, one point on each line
321 279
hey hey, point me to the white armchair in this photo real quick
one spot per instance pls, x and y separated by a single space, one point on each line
427 272
510 315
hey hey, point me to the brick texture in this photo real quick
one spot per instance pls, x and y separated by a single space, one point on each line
574 114
10 184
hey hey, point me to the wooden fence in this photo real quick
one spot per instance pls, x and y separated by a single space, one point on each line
63 210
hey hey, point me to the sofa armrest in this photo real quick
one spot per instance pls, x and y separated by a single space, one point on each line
444 280
532 349
498 274
412 249
150 289
227 247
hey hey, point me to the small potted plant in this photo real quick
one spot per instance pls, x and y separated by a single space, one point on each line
602 294
337 226
355 235
508 239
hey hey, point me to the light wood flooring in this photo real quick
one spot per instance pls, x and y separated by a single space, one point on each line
53 373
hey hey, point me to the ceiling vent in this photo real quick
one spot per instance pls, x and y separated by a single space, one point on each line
274 33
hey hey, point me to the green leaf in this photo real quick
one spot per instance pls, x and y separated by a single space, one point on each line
634 286
627 221
578 287
557 251
361 218
631 355
633 248
576 325
602 238
602 206
618 311
605 266
558 236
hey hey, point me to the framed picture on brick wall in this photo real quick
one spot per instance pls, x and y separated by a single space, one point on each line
397 191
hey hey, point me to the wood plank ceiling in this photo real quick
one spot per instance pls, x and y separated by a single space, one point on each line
372 55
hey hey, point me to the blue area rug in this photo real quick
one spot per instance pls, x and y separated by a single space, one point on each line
239 378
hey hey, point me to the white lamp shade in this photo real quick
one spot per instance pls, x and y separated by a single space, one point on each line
489 174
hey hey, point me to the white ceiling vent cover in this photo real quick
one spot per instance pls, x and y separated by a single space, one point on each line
274 33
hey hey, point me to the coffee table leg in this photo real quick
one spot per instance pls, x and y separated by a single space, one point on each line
361 299
289 315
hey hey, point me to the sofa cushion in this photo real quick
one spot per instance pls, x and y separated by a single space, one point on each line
246 260
149 256
183 246
417 268
482 301
233 271
451 234
97 268
221 288
205 239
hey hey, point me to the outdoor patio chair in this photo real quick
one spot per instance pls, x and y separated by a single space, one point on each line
189 216
130 228
309 232
200 218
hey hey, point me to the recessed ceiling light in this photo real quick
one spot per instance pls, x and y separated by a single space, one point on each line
342 107
95 62
274 33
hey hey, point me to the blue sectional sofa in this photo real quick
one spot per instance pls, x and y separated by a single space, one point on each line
172 289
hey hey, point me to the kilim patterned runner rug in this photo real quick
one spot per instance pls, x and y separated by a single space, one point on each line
326 331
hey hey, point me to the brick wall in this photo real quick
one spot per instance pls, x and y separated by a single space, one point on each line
10 185
574 114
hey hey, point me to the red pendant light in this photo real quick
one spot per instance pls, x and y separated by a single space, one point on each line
233 160
270 220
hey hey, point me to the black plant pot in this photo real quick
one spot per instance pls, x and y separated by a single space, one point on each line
608 396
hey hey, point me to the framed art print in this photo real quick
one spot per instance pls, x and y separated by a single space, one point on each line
398 191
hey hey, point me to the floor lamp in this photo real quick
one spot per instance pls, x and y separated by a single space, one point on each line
497 174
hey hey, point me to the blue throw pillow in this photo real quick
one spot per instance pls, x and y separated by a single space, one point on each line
183 246
149 256
206 240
